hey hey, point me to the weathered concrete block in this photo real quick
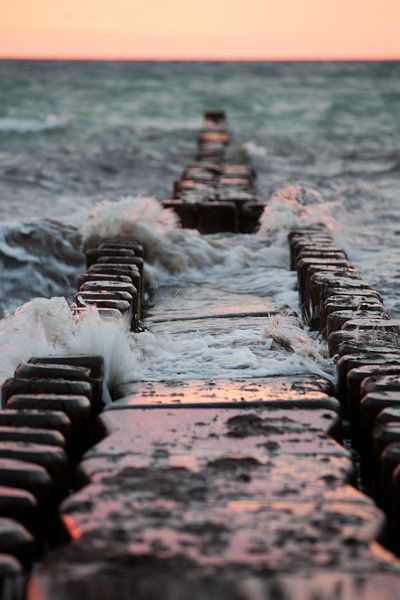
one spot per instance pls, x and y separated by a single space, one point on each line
134 245
179 582
326 251
249 216
85 298
121 306
77 408
41 370
199 174
374 325
20 505
352 361
92 362
202 191
16 540
275 392
99 277
214 304
353 335
373 403
52 458
108 285
219 489
48 420
346 302
27 476
356 376
238 170
13 386
118 268
94 254
388 415
337 319
214 118
95 364
380 383
32 435
320 286
366 349
213 136
304 265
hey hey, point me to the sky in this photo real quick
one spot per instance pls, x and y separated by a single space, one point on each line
200 29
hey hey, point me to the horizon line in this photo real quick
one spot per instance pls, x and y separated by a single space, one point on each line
204 59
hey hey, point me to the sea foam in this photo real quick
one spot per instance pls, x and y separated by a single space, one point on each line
16 125
247 264
47 327
293 206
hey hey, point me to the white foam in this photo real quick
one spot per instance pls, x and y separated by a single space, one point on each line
294 206
144 220
45 327
244 352
287 332
255 152
14 125
247 264
37 328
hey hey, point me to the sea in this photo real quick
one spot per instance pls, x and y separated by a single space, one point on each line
91 148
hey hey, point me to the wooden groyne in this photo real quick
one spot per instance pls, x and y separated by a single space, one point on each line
240 489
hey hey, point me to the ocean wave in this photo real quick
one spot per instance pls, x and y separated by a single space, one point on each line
293 206
42 252
40 257
46 327
169 249
15 125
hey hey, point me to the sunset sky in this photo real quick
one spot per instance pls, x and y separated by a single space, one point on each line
185 29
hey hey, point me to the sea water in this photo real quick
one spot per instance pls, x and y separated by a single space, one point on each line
87 148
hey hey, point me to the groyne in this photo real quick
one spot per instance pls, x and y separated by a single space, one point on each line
280 486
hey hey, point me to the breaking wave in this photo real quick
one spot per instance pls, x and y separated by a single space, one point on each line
293 206
45 327
38 258
47 253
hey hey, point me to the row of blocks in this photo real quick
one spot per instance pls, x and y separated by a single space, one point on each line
113 282
46 423
213 194
48 415
366 343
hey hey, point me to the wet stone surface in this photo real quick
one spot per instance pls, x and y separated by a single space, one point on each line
195 437
215 327
202 302
228 491
136 579
242 422
296 391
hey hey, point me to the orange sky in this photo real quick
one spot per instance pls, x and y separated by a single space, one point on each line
200 29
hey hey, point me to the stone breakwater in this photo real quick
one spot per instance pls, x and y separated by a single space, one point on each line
243 488
215 193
